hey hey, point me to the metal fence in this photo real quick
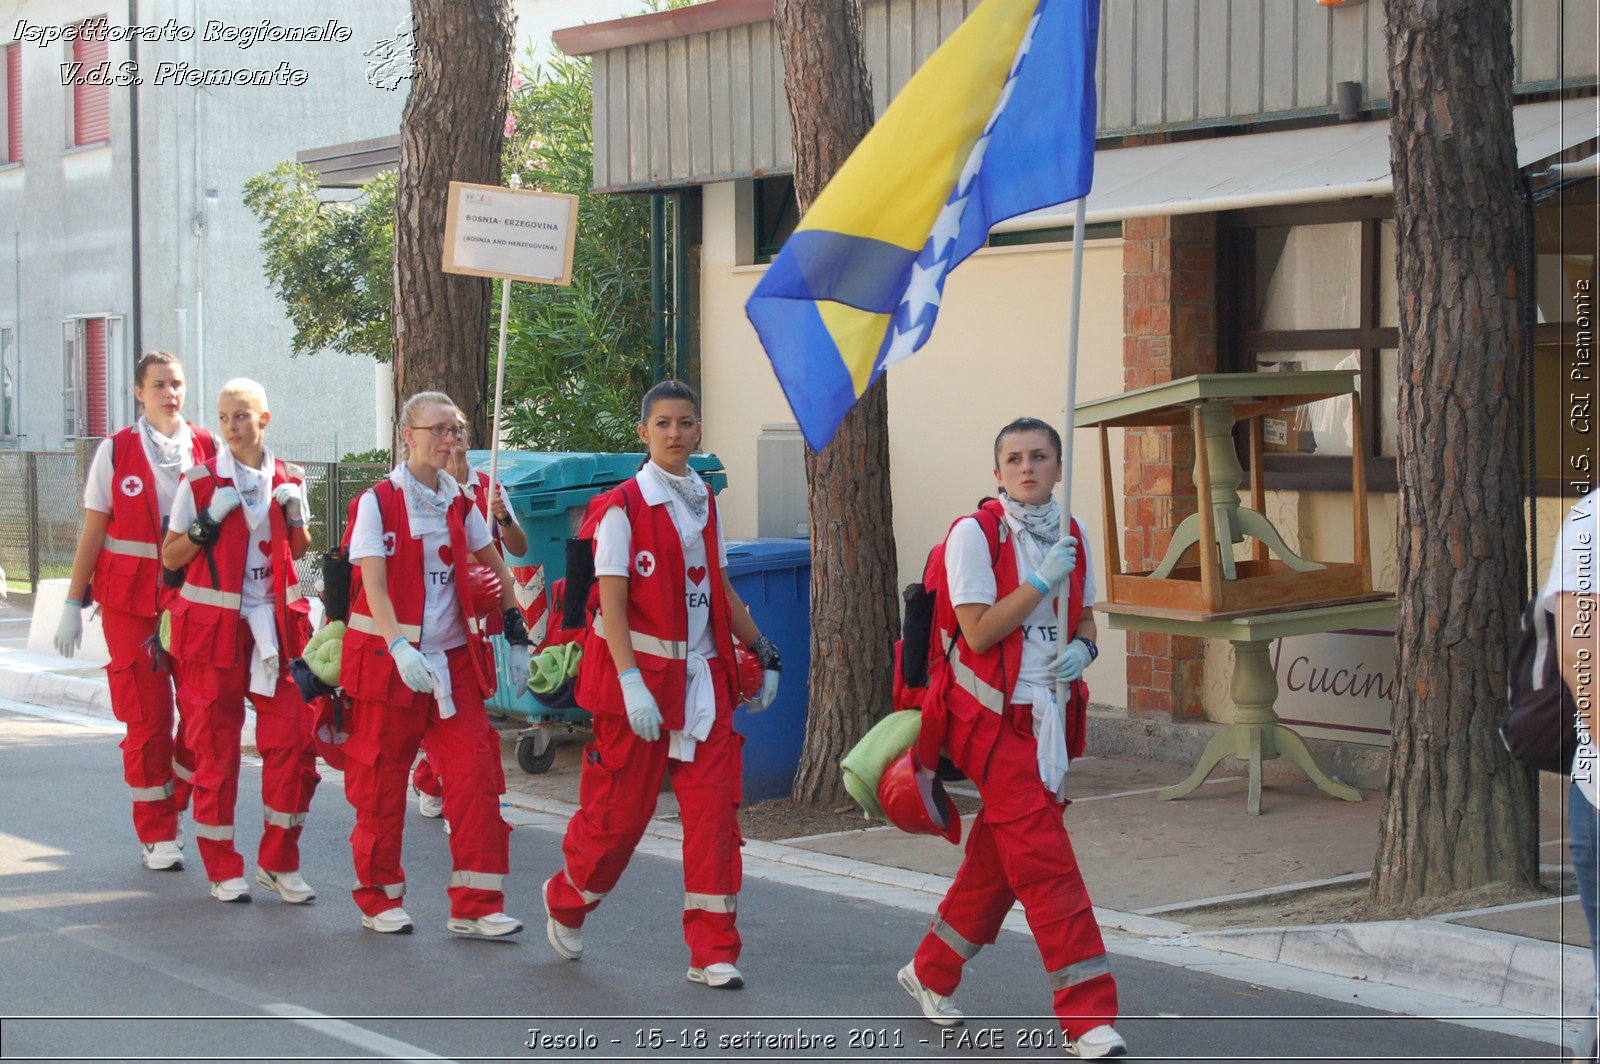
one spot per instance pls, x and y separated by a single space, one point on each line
41 510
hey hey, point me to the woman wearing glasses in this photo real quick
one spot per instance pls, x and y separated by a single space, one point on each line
417 666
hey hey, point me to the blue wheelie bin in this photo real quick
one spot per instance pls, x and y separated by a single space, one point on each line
773 577
549 492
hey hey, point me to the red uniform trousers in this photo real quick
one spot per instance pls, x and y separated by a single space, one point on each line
425 778
156 766
1018 850
383 743
213 712
616 797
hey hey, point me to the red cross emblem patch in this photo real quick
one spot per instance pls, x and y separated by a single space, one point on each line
644 563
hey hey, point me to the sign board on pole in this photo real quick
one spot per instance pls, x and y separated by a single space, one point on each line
518 234
1337 685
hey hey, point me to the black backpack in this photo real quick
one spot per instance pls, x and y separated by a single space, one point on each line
1541 725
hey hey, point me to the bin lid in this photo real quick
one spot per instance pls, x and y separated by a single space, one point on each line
538 471
760 555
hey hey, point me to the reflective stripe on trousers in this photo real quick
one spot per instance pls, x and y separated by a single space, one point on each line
477 880
1081 972
951 937
711 903
152 794
276 819
218 832
589 897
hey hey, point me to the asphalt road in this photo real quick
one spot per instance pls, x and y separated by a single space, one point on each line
103 960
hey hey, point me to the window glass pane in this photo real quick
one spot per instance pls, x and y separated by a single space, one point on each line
1324 427
8 382
1388 277
1308 276
1388 402
1564 239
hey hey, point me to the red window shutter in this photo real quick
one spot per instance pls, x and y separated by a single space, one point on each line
91 104
95 375
13 103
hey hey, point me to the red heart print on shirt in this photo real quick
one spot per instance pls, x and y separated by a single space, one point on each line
697 574
445 554
266 547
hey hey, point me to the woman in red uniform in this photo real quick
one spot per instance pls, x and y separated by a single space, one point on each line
495 508
658 674
238 525
127 500
991 706
417 666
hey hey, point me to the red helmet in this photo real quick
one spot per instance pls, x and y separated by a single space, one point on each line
483 590
914 800
751 675
330 730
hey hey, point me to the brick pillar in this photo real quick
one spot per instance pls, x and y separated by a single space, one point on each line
1169 312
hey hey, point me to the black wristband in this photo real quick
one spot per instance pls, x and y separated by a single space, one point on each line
766 653
503 522
1094 651
516 628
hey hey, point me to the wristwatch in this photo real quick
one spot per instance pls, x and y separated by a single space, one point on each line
503 522
1094 651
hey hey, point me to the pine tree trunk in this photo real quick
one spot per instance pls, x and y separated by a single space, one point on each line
855 614
1459 813
452 130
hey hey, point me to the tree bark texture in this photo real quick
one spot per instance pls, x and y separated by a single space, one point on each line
1459 813
855 612
453 129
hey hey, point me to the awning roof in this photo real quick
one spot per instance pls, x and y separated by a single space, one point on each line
1293 166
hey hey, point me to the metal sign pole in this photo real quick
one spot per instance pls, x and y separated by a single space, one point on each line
499 392
1063 637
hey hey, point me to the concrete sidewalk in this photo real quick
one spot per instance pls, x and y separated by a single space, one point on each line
1167 877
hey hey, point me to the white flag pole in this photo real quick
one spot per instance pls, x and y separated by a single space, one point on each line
1063 637
499 391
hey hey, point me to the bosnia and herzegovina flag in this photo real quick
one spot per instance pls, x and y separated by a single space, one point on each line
998 122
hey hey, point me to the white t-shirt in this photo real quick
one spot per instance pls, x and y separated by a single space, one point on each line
443 627
614 555
1573 569
97 492
470 490
971 580
253 484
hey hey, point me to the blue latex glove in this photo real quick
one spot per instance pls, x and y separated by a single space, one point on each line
518 666
1068 665
1059 561
644 716
412 666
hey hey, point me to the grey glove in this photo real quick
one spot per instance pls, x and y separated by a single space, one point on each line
69 631
518 665
293 501
412 666
1058 563
223 502
644 716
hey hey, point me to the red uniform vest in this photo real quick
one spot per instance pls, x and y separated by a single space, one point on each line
367 670
127 572
964 682
205 616
480 499
658 616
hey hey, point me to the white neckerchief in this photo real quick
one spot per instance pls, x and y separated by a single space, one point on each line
1049 735
425 509
264 663
687 494
167 452
254 485
1041 523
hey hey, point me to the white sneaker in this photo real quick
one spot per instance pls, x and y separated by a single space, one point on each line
495 925
429 805
441 813
162 856
235 889
717 976
567 941
1102 1041
935 1007
290 886
389 922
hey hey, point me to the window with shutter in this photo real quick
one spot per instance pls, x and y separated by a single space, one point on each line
95 375
11 60
91 104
